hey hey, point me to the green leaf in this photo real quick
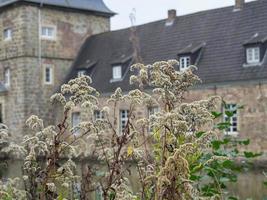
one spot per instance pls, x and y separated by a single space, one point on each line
199 134
265 183
228 164
251 154
232 198
197 168
223 125
216 114
112 194
195 178
229 113
245 142
216 144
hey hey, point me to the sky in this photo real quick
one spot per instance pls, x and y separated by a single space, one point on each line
152 10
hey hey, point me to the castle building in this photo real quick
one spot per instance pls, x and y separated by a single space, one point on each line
45 43
228 45
39 40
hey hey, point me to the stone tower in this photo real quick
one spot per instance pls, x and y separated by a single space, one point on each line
39 39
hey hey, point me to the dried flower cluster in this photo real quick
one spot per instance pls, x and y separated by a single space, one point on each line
169 149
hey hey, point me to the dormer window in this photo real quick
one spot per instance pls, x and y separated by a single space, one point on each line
190 55
116 72
184 63
7 34
81 73
253 55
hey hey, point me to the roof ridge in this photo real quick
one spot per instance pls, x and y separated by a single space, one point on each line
179 16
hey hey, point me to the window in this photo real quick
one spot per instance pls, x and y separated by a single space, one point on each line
232 108
123 119
152 111
48 32
75 120
116 72
48 74
99 193
184 63
1 113
7 77
253 55
81 73
98 115
7 34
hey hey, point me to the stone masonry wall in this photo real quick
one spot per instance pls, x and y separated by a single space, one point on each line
251 119
28 94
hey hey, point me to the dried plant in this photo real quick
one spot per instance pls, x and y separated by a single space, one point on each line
173 150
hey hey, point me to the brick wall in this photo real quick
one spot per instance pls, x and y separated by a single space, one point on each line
251 119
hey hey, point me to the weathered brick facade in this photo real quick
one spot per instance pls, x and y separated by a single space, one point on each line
26 53
252 96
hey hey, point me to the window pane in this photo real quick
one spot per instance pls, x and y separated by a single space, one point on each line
123 119
7 34
232 120
7 77
1 113
253 55
81 73
75 119
43 31
47 75
48 32
116 72
184 62
98 115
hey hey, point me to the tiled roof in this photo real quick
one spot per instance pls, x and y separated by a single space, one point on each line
223 31
87 5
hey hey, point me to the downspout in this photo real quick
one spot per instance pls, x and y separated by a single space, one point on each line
39 35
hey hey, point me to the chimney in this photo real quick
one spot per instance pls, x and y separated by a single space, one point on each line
239 4
171 17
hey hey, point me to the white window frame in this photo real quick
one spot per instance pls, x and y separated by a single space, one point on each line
98 115
51 74
81 73
47 36
116 72
152 110
253 55
7 77
233 129
7 34
75 121
123 120
185 62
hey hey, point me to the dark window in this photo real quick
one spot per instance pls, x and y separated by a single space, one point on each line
1 114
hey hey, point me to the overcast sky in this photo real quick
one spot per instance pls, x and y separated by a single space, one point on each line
151 10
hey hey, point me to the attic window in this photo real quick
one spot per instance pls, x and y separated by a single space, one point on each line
81 73
253 55
116 72
184 63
